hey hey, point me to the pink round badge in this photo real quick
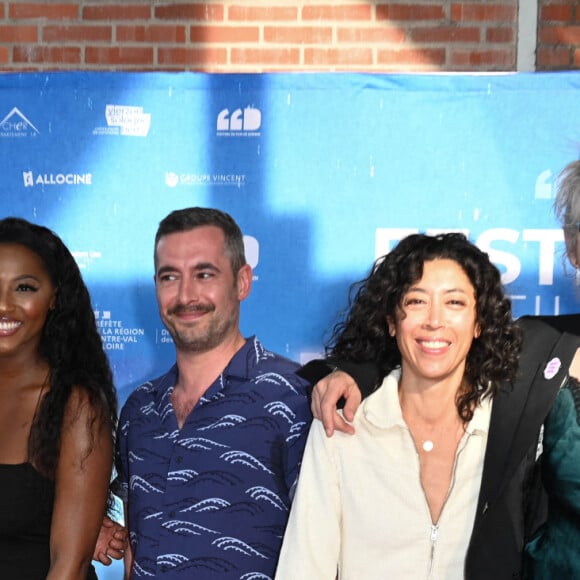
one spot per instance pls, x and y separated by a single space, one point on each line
552 368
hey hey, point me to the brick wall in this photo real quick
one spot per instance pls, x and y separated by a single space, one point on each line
558 46
262 35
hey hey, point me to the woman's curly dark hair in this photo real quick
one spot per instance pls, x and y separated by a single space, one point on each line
364 335
70 343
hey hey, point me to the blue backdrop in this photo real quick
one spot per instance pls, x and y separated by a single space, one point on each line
323 172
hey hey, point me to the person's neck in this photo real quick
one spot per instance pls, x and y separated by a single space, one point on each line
198 370
22 369
431 402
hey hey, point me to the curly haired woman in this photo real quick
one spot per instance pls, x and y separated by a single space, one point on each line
443 478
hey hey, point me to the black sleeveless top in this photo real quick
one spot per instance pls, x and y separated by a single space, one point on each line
26 501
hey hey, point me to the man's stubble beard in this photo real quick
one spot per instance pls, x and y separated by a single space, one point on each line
193 340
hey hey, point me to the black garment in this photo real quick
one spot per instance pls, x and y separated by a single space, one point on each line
26 500
512 501
566 323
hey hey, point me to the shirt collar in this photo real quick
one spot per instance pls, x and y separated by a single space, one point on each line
240 368
383 408
481 417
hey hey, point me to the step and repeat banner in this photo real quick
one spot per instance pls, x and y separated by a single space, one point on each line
323 172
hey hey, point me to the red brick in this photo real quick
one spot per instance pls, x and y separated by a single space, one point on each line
224 34
386 34
41 54
112 56
550 58
560 35
11 33
483 12
338 56
412 56
262 13
410 12
118 12
158 34
205 12
556 13
330 12
191 56
298 34
483 59
371 35
445 34
46 10
77 33
576 58
265 56
499 35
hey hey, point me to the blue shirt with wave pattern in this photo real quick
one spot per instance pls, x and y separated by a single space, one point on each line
211 500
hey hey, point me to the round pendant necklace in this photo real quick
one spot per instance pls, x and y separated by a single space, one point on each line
427 445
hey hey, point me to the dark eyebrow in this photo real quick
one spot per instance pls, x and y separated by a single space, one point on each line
207 266
448 291
164 270
460 290
198 267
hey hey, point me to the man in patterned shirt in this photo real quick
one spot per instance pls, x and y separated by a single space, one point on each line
209 452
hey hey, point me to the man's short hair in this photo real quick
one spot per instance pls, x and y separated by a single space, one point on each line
184 220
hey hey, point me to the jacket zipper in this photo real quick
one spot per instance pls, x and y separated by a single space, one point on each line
434 531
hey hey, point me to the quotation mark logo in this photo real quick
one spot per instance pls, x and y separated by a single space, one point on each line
250 119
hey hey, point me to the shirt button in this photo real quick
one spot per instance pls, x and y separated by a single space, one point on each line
178 459
172 514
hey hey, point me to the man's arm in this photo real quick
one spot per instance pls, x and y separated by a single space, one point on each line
339 384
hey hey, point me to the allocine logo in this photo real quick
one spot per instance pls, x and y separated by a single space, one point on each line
16 124
46 179
239 123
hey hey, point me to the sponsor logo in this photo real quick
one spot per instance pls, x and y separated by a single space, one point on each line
114 335
541 244
16 124
45 179
545 240
206 179
85 259
544 188
239 123
252 251
125 121
162 336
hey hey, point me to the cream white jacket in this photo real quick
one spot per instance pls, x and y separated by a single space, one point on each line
360 509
